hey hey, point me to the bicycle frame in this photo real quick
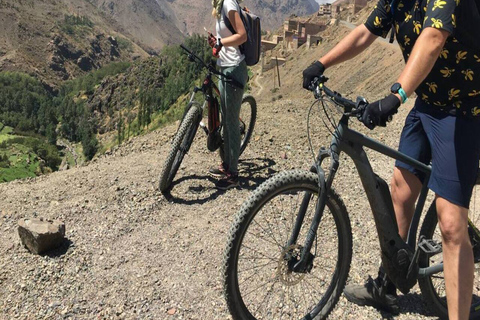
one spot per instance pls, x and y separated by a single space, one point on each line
211 94
397 256
207 89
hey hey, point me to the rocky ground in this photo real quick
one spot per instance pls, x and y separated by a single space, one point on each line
134 254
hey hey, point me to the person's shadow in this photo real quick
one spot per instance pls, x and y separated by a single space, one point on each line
252 173
412 304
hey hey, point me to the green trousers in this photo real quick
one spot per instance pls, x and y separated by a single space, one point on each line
231 101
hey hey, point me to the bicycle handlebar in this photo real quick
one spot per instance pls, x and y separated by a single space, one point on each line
351 108
192 56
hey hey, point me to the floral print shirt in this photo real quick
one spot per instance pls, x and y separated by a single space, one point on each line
454 81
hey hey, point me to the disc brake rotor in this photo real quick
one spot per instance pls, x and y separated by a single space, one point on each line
287 276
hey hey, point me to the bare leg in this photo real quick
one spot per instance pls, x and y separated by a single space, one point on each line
457 257
405 188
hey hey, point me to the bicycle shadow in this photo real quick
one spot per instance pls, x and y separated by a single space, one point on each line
411 304
252 172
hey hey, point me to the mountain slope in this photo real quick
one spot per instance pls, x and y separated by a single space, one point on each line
151 23
57 40
193 15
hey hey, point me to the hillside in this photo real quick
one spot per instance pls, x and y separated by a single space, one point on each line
59 40
134 254
151 23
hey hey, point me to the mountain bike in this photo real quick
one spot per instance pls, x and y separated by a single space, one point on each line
290 246
192 119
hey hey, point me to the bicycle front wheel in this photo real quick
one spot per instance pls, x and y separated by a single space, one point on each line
180 145
259 282
433 287
248 116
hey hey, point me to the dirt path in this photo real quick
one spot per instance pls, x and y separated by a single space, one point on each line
258 82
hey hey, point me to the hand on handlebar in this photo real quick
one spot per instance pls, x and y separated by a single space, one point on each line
313 71
379 112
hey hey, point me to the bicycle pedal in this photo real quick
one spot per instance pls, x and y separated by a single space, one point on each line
430 246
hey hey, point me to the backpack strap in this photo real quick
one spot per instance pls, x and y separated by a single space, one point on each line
227 21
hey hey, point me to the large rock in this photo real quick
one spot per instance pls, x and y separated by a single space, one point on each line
85 63
40 235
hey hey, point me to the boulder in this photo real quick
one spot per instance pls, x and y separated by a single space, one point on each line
41 235
85 63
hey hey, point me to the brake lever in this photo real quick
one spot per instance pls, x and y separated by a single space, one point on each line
361 105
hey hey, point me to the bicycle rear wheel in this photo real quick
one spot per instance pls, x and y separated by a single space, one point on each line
180 145
258 279
433 287
248 116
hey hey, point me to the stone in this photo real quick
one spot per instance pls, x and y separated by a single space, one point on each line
41 235
85 63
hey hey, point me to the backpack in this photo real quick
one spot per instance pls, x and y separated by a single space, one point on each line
251 48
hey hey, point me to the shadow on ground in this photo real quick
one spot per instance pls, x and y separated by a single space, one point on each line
252 173
60 251
411 303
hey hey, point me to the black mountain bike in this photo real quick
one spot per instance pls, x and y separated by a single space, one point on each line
192 119
290 246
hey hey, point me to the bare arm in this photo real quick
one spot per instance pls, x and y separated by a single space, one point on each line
241 35
350 46
425 53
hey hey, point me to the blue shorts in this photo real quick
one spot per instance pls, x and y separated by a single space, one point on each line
450 143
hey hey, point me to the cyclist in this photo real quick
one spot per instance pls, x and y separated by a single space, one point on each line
225 47
442 52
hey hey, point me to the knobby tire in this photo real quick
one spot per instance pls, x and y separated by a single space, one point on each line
180 145
253 223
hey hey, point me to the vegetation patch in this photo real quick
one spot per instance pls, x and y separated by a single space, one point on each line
123 98
76 25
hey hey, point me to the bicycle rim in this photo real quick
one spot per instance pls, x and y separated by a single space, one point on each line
264 285
433 287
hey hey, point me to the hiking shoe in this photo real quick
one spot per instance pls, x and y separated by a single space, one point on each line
369 295
229 181
218 172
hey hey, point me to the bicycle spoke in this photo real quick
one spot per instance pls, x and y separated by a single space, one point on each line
259 237
257 258
257 267
258 287
264 255
307 304
271 232
261 304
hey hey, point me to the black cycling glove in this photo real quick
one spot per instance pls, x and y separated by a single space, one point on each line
379 112
316 69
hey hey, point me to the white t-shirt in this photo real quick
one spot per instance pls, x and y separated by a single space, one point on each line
229 56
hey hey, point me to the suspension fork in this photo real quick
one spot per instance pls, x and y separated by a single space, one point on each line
324 185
